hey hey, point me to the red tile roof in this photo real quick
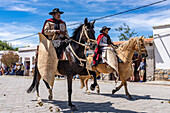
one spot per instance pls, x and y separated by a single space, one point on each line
147 40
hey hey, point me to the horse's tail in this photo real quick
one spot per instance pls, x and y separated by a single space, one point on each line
35 80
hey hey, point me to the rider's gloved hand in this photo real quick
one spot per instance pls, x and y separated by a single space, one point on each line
63 32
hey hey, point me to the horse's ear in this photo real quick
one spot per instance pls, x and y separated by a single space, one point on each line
93 22
85 21
141 37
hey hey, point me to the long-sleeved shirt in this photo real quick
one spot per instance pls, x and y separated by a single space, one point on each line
103 41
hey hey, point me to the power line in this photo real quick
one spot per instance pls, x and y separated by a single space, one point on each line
100 17
23 37
129 10
121 12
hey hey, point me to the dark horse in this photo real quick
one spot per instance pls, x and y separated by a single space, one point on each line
71 66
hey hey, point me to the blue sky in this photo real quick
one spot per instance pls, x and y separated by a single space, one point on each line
21 18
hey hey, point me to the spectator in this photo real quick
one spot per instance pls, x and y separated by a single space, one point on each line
12 69
6 70
22 70
33 67
18 69
15 68
141 69
132 78
27 69
2 70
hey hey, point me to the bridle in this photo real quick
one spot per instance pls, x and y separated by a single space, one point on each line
84 30
139 47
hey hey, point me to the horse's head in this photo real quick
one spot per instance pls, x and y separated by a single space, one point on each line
85 32
88 33
140 46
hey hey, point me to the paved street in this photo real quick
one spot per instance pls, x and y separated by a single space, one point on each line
153 98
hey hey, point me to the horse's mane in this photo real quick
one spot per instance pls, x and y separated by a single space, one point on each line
126 44
76 30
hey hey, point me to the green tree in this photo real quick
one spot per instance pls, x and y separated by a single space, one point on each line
16 49
150 36
4 45
9 58
125 32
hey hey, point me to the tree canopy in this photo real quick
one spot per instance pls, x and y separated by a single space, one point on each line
125 32
4 45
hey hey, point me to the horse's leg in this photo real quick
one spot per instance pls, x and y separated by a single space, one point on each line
82 82
117 88
98 88
50 97
69 83
86 85
92 87
37 90
126 91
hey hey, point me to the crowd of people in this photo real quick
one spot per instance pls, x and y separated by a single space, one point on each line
14 69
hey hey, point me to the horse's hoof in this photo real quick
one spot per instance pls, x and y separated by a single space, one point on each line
73 107
98 91
81 87
40 103
50 97
92 87
88 92
130 97
113 92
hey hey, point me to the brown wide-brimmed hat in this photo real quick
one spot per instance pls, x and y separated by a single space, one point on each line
104 28
56 10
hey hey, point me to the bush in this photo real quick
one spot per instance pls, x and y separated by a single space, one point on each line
9 58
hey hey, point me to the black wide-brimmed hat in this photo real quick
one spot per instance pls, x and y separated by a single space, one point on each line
104 28
56 10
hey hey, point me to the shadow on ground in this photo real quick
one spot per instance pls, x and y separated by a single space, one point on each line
135 97
88 106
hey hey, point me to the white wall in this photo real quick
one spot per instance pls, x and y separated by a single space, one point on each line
27 54
162 46
150 61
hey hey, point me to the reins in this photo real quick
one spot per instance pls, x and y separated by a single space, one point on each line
80 59
88 40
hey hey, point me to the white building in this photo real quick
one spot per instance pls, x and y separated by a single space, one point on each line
162 50
27 55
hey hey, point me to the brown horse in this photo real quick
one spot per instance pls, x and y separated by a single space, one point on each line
125 53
